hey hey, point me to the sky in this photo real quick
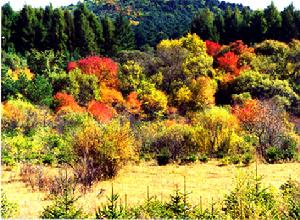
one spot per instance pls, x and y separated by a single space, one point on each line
254 4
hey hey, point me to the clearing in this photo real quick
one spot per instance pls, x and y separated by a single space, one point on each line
206 180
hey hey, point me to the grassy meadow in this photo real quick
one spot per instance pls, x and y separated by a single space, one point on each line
208 181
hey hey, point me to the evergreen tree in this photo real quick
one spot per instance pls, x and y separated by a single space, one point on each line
7 18
70 31
273 19
228 23
85 37
124 36
245 30
203 25
47 21
219 24
96 26
258 26
25 30
40 30
108 34
289 29
236 24
58 29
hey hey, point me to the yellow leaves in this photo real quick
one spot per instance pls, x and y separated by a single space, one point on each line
15 75
167 44
183 95
204 89
193 43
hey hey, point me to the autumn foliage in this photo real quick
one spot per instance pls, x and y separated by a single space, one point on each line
71 66
100 111
104 68
212 48
133 104
248 112
229 62
67 102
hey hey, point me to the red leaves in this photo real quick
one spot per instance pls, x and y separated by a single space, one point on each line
67 102
212 48
100 111
104 68
71 65
229 62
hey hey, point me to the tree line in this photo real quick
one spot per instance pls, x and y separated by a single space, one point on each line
250 26
79 32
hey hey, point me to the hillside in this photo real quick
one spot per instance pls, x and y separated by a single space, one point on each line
159 19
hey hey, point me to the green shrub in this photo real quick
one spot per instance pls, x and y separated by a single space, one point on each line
178 140
112 210
273 155
247 158
235 159
63 207
8 209
291 193
163 157
249 200
203 158
189 159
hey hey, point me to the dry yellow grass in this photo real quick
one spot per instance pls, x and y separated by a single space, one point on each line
205 180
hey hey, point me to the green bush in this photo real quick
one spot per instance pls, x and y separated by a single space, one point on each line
235 159
247 158
273 155
203 158
249 200
178 140
8 209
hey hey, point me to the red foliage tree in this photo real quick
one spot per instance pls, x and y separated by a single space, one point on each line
104 68
100 111
229 62
212 48
238 47
248 112
71 65
67 102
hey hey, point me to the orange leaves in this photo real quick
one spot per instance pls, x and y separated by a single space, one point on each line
104 68
111 96
100 111
248 112
67 102
133 104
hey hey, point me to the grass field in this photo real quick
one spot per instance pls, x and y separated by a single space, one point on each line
205 180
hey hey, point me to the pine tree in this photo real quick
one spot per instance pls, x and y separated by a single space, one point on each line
289 29
40 30
273 18
108 34
25 29
85 37
258 26
96 26
219 25
7 18
203 25
70 30
245 30
58 29
124 36
47 21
